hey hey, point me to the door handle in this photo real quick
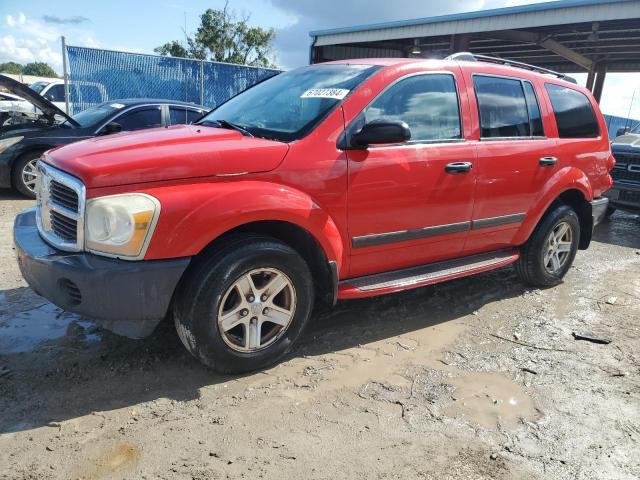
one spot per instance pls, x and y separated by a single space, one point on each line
458 167
548 161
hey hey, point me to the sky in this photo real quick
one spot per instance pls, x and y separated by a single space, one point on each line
30 30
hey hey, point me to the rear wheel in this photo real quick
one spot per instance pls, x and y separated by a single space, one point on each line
24 174
551 249
243 307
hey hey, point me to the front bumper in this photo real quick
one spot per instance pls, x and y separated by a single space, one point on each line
599 209
625 196
128 298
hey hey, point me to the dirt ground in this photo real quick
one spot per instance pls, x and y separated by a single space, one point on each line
479 378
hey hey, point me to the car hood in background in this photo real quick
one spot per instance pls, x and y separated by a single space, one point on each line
22 90
178 152
627 140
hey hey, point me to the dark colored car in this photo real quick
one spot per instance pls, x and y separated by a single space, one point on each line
22 144
625 193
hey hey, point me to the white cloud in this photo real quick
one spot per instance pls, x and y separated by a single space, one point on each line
10 21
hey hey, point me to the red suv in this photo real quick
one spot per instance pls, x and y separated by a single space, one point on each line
333 181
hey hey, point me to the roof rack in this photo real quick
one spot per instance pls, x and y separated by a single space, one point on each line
472 57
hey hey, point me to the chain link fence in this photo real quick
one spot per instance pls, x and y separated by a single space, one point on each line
98 75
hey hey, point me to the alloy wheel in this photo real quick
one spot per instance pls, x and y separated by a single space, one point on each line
256 310
30 174
558 247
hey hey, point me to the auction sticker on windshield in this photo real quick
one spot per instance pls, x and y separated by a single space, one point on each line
337 93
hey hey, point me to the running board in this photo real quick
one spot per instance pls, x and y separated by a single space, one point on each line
414 277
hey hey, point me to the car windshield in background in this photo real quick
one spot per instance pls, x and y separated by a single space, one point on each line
93 115
38 86
288 106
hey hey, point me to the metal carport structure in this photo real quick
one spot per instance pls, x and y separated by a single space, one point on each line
593 36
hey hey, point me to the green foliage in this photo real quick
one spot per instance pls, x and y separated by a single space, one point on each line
224 37
39 69
11 67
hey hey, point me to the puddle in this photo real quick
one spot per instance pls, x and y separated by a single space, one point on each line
488 399
24 331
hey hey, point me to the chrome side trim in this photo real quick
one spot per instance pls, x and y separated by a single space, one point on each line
376 239
405 235
497 221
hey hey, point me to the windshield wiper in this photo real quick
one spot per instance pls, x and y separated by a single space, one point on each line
232 126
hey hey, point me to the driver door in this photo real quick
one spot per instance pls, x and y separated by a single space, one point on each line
406 205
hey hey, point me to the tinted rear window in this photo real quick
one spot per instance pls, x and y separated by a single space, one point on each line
573 111
503 108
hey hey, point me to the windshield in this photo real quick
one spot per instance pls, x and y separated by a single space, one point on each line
38 86
635 129
99 113
288 106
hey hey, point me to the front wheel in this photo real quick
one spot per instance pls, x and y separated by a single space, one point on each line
243 307
25 173
551 249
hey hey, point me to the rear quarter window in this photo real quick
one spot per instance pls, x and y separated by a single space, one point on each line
573 112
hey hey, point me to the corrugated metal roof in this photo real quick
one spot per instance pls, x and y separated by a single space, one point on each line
548 13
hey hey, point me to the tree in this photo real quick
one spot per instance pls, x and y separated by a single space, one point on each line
11 67
224 37
39 69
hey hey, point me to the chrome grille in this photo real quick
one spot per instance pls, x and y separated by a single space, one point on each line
60 208
63 195
66 228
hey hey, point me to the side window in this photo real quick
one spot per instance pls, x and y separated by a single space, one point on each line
573 111
180 115
55 93
147 117
427 103
193 115
535 119
503 109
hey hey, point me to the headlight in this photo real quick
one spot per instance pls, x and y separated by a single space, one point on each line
121 225
7 142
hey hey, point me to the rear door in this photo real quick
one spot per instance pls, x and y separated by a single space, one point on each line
406 206
515 157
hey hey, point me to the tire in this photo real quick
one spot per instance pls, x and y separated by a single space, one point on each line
535 266
210 293
20 171
610 211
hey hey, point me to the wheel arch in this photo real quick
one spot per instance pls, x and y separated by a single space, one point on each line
576 199
323 270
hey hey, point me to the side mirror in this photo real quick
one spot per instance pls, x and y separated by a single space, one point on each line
380 132
110 128
622 131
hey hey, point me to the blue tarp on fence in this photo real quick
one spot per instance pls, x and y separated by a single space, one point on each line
131 75
614 123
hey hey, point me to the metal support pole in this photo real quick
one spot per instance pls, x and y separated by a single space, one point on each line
65 75
599 84
201 82
591 76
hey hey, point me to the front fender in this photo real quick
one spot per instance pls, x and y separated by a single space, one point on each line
192 216
568 178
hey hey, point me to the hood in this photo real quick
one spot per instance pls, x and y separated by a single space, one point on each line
627 140
22 90
178 152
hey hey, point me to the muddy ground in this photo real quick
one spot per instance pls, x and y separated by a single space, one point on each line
479 378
